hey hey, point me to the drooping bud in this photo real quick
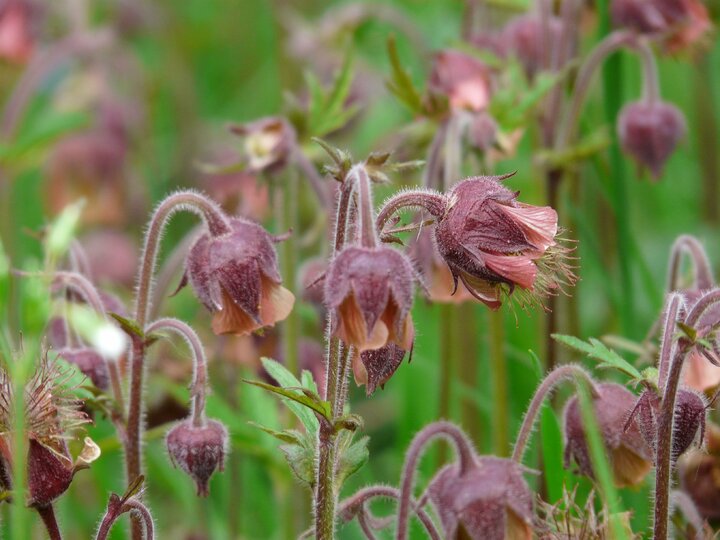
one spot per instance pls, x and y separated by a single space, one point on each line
198 450
369 292
235 276
90 363
491 501
629 454
50 471
650 132
495 244
526 38
483 131
465 81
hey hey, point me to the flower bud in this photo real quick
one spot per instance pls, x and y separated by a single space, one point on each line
235 276
629 454
90 363
465 81
650 132
493 243
688 421
525 37
198 450
491 501
50 471
369 292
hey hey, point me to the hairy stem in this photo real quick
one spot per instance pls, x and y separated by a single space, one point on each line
703 275
200 377
674 304
555 377
47 513
463 449
418 199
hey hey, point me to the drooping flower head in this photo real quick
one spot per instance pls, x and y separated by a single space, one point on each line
369 293
464 80
52 415
17 39
198 450
650 132
526 38
235 275
496 245
490 501
630 456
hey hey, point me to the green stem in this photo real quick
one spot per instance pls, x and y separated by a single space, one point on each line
707 136
498 372
447 360
468 360
291 328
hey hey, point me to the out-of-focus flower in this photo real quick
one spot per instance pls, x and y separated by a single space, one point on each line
496 245
17 41
369 292
650 132
52 416
236 277
681 23
198 450
699 474
465 81
525 37
630 456
90 363
491 501
269 143
112 257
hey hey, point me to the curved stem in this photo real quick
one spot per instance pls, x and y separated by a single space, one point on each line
705 302
347 507
200 378
466 460
419 199
47 513
84 287
117 508
682 501
613 42
558 375
651 83
687 244
674 304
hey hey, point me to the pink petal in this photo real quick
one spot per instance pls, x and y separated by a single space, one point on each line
539 223
519 269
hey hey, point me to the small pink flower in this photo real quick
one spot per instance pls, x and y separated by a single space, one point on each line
495 244
369 292
464 80
17 42
235 275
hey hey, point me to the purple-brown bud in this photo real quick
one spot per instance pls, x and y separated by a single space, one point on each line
50 471
491 501
235 276
493 243
198 450
629 454
525 37
465 81
90 363
650 132
369 292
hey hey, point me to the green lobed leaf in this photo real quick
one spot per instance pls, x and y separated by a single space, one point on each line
301 458
352 457
597 350
400 82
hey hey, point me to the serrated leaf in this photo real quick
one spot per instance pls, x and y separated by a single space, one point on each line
320 407
307 380
597 350
326 110
352 457
301 458
289 436
400 82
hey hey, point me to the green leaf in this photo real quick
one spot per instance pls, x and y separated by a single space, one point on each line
44 132
595 349
352 457
129 326
289 436
326 110
400 82
320 407
301 458
62 230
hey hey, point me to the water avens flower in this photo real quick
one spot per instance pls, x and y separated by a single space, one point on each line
525 37
269 143
369 292
650 132
630 456
489 501
198 450
465 81
496 245
235 275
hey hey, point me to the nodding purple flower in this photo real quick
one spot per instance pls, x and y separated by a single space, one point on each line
235 275
465 81
369 292
374 368
525 37
198 450
495 244
269 143
90 363
650 132
491 501
630 456
680 23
